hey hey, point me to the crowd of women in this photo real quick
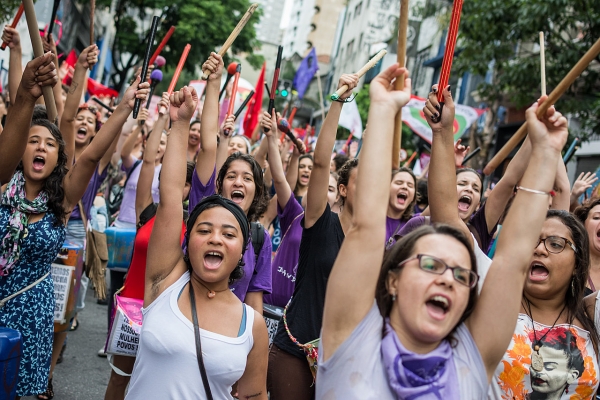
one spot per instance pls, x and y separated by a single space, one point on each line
391 286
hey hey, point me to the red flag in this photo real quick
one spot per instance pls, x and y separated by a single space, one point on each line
255 106
71 59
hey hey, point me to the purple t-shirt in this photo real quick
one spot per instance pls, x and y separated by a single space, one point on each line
285 263
477 226
90 193
392 228
257 272
127 212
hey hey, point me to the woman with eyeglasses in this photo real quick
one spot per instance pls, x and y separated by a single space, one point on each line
426 334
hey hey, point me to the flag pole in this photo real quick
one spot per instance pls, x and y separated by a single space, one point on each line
399 83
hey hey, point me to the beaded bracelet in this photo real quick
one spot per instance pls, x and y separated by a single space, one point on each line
348 100
552 193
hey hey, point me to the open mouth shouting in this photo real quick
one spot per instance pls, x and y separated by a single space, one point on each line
237 196
438 306
401 198
38 163
538 272
81 133
213 260
304 178
464 203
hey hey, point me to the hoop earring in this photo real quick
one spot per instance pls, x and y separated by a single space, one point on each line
573 287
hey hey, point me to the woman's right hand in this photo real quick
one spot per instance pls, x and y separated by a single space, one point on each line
268 124
351 80
142 116
38 73
228 126
11 36
214 65
433 107
549 131
137 90
89 57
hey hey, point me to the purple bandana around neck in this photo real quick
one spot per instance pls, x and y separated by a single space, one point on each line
419 376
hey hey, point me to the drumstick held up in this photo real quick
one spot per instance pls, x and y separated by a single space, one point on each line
558 91
360 73
234 34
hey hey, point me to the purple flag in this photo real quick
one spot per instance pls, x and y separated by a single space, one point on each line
307 69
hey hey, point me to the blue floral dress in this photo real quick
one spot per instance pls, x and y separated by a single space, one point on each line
32 312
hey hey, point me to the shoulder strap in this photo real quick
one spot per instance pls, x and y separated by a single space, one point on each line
135 164
199 345
83 215
258 238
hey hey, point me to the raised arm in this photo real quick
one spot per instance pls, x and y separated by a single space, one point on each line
580 186
443 199
292 171
283 190
562 188
490 325
223 148
503 191
207 157
356 269
15 60
77 179
39 72
316 196
87 59
165 258
126 157
143 194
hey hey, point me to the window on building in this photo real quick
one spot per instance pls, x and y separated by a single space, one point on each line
349 18
357 10
294 31
360 42
309 45
350 49
298 16
313 27
317 9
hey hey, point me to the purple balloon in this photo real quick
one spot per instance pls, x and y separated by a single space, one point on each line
156 75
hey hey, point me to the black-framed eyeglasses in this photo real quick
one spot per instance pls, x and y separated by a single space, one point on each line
556 244
436 266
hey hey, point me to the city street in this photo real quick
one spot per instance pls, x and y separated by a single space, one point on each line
83 375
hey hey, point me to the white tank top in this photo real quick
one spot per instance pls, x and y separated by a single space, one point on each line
166 366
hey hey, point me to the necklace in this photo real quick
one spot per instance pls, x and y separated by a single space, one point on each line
211 293
537 361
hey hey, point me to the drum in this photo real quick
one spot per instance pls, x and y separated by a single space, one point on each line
10 357
272 316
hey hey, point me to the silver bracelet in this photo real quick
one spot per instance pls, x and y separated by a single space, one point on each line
534 191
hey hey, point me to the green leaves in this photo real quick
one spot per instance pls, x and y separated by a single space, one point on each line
502 36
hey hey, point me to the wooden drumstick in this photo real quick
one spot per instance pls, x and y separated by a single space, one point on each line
234 34
399 83
552 98
360 73
92 12
38 51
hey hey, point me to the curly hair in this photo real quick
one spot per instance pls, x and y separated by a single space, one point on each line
344 175
53 185
261 195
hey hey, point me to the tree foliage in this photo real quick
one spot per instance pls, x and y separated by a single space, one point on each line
205 24
8 8
502 34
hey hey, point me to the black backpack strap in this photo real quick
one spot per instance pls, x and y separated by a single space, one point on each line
257 235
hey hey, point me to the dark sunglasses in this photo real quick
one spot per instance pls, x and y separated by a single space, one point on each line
556 244
436 266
